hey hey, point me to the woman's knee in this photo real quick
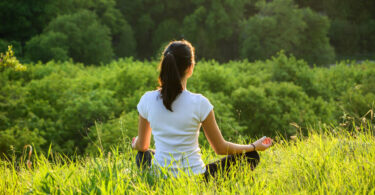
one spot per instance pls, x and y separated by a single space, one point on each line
143 159
253 155
253 158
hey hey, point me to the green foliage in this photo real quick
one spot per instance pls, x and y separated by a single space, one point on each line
48 46
16 46
345 37
123 42
281 25
359 100
289 69
71 106
23 19
89 41
315 44
277 26
78 35
276 106
15 138
212 27
313 30
226 116
8 60
122 35
352 26
101 135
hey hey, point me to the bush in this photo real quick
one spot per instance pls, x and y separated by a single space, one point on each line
16 138
67 104
359 101
117 131
274 106
226 115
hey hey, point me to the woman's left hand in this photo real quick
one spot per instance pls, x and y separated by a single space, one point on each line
134 141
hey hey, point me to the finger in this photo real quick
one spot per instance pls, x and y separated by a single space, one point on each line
266 140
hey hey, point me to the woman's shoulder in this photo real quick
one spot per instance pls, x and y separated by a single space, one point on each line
150 94
197 96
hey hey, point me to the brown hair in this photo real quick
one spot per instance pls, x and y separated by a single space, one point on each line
177 57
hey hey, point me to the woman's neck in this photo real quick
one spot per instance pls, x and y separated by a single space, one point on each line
183 84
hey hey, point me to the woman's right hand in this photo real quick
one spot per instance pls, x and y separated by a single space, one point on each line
134 141
263 143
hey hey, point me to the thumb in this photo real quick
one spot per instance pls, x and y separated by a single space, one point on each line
263 138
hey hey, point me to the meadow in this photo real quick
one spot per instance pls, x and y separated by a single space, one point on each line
301 72
327 161
79 121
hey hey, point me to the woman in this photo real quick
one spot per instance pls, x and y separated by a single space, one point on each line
174 115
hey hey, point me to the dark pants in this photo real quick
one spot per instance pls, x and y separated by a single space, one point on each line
143 160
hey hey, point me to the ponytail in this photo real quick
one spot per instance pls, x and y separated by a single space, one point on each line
170 80
177 57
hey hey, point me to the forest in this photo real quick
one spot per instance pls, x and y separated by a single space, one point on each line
95 32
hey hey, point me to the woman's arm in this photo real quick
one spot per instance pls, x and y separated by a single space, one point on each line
144 135
223 147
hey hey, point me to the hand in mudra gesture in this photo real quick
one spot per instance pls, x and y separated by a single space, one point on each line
263 143
134 141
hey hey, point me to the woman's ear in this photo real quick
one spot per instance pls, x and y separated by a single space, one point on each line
189 71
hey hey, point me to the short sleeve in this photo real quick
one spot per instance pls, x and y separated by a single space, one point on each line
143 106
205 108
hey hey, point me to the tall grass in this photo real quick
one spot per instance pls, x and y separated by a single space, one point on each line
331 161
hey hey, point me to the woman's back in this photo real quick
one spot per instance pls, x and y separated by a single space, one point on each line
176 133
174 116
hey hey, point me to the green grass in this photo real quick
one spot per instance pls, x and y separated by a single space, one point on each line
332 162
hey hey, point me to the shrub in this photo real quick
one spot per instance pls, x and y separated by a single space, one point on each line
64 103
359 101
272 107
113 132
16 138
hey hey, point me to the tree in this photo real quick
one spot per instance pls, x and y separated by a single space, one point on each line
123 42
213 27
88 40
22 19
314 45
279 25
47 46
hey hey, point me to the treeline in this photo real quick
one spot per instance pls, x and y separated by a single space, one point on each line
77 108
97 31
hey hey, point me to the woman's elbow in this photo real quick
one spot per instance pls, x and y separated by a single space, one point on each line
220 151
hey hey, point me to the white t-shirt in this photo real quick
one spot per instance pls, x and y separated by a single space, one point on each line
176 133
